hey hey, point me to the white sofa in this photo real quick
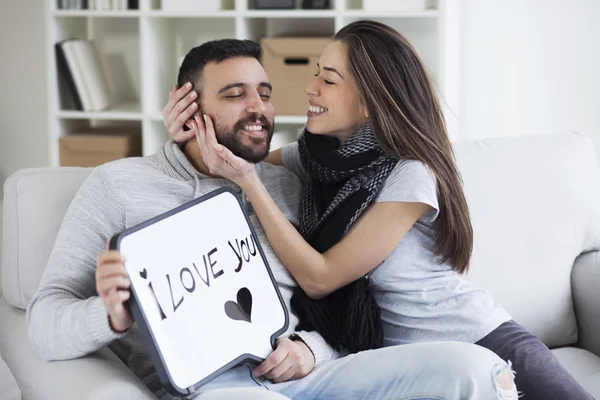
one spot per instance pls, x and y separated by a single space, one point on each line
535 206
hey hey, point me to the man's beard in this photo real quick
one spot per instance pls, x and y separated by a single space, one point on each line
233 140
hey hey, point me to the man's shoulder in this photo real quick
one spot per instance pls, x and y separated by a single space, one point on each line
126 168
276 171
128 163
284 187
278 175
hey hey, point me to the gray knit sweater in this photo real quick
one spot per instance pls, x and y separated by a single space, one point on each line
66 318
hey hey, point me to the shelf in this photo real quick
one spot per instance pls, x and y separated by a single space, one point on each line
289 14
121 112
245 14
191 14
141 51
96 14
391 14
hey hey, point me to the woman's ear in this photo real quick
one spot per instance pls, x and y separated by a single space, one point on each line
365 112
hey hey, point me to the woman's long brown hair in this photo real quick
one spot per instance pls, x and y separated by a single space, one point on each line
407 119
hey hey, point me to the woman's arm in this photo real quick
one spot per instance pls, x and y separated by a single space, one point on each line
274 158
368 242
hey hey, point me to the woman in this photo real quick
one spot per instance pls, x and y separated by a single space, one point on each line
383 198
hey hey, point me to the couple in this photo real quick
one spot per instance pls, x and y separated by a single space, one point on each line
79 306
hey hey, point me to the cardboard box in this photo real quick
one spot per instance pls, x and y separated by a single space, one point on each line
91 150
290 64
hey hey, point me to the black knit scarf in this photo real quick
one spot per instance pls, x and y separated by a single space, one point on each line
344 181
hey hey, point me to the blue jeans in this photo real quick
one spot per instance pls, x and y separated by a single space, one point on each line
421 371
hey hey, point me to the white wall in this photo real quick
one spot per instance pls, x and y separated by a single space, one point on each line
530 67
23 93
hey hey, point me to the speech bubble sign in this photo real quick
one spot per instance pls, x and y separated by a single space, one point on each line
203 294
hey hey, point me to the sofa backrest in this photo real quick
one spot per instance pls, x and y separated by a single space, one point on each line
535 206
534 203
35 202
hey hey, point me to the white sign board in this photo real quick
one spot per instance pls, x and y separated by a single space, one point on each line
203 293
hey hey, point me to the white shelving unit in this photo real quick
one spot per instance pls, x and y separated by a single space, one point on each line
141 51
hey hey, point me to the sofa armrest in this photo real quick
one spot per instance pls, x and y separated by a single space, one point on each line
95 377
99 376
585 282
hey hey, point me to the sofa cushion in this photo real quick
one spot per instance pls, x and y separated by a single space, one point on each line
8 385
535 207
100 375
583 365
35 201
1 208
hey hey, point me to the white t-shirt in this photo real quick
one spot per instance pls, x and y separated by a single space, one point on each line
420 298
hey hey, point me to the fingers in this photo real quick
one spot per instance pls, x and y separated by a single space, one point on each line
112 285
211 138
111 269
200 132
119 317
168 108
109 256
179 111
114 301
274 359
227 156
286 376
196 130
183 136
284 370
106 285
175 96
207 154
183 111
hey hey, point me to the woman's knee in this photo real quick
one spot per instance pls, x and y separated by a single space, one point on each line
479 369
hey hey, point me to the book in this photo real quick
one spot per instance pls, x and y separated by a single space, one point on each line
93 75
86 83
66 77
77 73
76 4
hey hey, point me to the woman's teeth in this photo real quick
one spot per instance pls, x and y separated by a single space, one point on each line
253 128
316 109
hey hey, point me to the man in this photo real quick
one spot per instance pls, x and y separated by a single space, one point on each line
79 306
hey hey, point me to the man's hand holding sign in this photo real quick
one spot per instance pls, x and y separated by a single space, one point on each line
112 285
202 293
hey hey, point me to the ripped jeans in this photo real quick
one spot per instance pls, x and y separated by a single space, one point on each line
421 371
539 374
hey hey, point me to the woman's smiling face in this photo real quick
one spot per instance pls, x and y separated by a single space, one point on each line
334 105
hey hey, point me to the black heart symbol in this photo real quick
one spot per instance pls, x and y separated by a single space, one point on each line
242 310
143 273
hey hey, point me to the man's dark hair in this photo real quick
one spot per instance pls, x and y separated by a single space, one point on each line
216 50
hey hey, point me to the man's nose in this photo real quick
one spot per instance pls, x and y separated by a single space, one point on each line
256 104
